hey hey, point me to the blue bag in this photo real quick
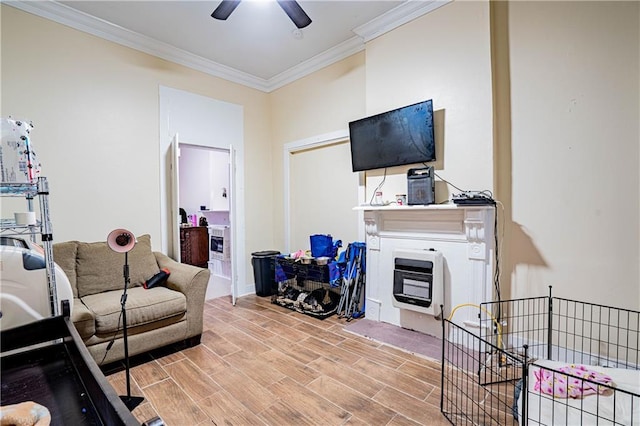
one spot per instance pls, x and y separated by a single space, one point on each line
323 246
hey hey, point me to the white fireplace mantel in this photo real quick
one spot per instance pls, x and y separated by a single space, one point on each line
465 237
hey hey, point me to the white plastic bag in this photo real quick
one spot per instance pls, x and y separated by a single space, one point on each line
18 161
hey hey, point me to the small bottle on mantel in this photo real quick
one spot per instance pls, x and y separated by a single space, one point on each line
378 199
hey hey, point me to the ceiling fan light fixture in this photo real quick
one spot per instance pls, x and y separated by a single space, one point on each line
291 8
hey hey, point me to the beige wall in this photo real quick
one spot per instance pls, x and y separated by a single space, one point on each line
535 100
573 141
94 105
323 192
539 101
575 150
321 103
444 56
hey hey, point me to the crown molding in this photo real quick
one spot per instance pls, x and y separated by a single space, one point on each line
397 16
81 21
328 57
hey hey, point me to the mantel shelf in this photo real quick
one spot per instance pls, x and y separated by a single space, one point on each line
394 207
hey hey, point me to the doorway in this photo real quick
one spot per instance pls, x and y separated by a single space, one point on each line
318 176
204 122
203 198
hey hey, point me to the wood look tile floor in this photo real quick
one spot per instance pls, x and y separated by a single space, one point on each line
262 364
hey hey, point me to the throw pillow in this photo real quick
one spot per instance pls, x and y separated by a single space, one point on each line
101 269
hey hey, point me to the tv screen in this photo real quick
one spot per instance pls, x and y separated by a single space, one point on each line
394 138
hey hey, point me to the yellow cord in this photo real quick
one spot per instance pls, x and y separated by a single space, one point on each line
498 326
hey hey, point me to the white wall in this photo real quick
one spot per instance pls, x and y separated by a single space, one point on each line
195 182
219 177
204 178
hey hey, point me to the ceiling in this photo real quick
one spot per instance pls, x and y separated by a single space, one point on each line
258 45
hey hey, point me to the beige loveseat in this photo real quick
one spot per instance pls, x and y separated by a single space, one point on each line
156 317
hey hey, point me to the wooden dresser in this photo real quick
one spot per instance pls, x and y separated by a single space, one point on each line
194 246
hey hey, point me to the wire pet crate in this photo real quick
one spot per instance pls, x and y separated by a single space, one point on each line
307 289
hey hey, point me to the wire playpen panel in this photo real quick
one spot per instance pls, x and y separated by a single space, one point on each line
584 333
595 334
477 379
543 361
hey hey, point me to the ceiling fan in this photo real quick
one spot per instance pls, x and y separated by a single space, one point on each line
290 7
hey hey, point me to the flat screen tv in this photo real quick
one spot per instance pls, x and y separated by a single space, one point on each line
393 138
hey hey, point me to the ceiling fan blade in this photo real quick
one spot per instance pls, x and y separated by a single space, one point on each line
295 12
224 9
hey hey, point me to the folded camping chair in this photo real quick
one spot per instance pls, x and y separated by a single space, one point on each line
353 259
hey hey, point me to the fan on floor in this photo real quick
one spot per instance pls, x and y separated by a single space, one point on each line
290 7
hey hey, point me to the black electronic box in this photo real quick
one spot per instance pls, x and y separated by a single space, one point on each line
420 186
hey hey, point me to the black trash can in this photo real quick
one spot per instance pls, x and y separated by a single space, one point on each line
264 271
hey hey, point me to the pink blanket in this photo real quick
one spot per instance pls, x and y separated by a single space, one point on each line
564 386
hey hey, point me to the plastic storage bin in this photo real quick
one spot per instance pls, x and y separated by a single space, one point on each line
264 271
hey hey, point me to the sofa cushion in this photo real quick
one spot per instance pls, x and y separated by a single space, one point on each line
143 307
83 319
64 255
101 269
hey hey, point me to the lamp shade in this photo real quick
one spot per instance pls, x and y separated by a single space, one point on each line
121 240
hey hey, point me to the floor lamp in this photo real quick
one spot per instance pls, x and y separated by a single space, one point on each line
122 241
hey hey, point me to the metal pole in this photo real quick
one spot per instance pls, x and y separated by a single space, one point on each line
524 392
129 401
46 235
444 361
549 325
123 303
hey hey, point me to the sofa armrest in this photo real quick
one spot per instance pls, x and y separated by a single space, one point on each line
190 281
83 319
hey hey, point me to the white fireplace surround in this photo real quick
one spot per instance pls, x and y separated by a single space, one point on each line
465 237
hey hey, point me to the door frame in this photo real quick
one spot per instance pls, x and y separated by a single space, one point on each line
319 141
212 123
